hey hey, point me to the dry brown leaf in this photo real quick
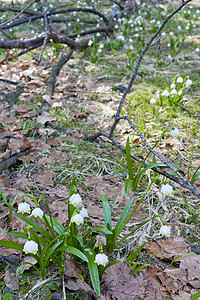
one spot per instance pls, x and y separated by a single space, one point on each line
119 284
71 269
11 280
28 259
168 248
79 285
46 178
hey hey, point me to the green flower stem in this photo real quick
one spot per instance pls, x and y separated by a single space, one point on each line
52 231
139 227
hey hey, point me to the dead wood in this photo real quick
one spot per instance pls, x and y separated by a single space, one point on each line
12 98
6 164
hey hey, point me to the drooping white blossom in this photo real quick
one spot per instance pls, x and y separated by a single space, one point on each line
175 132
188 83
77 218
173 92
165 230
37 212
75 200
84 212
153 100
24 207
179 79
172 86
166 189
101 259
30 247
165 93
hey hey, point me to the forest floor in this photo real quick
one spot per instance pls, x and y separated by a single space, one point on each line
86 97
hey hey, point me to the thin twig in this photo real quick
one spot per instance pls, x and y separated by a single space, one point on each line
17 15
46 35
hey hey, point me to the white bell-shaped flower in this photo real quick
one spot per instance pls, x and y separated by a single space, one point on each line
179 79
153 100
30 247
37 212
84 212
173 92
101 259
188 83
172 86
175 132
166 189
23 208
165 93
75 200
165 230
77 218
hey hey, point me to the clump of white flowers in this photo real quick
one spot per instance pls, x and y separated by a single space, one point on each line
166 190
165 230
101 259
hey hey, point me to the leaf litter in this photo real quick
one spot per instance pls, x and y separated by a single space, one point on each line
44 149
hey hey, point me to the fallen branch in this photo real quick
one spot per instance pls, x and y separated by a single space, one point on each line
5 164
12 98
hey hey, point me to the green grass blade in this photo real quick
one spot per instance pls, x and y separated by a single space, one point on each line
101 229
93 270
50 252
56 225
34 224
182 255
128 184
129 160
138 269
12 245
21 235
196 296
74 251
120 224
107 212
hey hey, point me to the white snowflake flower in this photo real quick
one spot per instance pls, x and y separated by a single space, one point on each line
166 190
165 93
37 212
30 247
77 218
179 79
188 83
75 200
153 100
84 212
24 208
101 259
175 132
165 230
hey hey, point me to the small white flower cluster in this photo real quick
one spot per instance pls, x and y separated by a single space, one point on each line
76 201
24 207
